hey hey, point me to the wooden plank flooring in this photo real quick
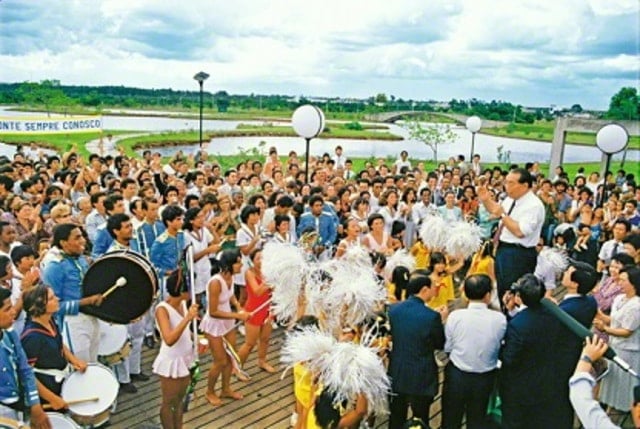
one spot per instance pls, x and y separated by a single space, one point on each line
267 404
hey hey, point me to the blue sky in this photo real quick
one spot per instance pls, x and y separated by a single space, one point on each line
530 52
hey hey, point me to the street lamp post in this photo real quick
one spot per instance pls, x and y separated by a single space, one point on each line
201 77
473 124
611 138
308 122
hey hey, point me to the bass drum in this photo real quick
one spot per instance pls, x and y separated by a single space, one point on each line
129 302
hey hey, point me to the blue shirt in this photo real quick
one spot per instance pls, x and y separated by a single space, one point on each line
102 242
166 251
15 371
146 234
64 273
323 224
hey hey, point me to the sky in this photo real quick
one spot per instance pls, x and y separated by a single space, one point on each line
529 52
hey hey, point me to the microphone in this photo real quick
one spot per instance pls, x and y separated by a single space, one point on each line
582 332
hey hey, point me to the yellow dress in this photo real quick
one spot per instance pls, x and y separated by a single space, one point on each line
480 266
446 293
302 385
391 293
421 255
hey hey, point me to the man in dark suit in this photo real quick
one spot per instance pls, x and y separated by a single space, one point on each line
528 377
417 332
579 279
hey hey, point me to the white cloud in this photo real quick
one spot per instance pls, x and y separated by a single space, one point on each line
526 51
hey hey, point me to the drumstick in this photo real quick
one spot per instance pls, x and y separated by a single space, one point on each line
72 402
253 313
119 283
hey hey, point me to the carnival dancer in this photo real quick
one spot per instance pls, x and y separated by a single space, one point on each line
176 356
217 324
64 272
41 339
204 246
258 326
352 228
248 238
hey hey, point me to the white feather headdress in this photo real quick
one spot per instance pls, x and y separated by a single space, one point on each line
284 268
463 239
433 232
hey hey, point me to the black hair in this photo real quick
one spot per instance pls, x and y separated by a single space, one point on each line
477 286
400 278
397 227
61 233
4 262
177 283
189 216
417 282
111 201
531 290
115 221
224 263
247 211
281 218
373 217
171 213
525 176
308 320
22 251
633 272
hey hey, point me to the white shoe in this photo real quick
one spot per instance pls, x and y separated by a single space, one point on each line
242 330
293 420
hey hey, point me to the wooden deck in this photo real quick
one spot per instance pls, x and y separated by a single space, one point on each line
268 400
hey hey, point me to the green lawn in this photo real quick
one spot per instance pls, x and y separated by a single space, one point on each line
543 130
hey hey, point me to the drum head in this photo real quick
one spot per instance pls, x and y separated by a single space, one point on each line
60 421
126 303
112 338
96 381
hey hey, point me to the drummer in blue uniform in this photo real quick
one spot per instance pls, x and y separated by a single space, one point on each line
18 391
120 228
167 248
64 273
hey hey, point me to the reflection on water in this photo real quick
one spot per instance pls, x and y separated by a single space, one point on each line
487 146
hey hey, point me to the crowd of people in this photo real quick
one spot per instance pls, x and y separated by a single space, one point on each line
61 213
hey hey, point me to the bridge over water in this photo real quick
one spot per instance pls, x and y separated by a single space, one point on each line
390 117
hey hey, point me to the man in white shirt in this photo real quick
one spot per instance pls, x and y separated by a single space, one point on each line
423 208
473 337
339 158
402 162
609 248
522 216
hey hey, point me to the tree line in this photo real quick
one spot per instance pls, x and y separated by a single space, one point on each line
54 96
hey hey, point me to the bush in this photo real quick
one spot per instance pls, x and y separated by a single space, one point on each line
355 126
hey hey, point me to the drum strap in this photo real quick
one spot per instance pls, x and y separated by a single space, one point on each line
58 374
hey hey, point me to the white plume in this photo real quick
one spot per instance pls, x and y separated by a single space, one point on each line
284 268
463 240
401 258
433 232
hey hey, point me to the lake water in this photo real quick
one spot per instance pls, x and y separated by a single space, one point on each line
487 146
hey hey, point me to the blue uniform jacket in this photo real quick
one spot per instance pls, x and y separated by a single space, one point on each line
64 274
326 227
166 251
146 234
15 371
102 242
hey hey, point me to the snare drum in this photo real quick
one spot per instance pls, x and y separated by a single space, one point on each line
6 423
129 302
114 343
97 380
60 421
